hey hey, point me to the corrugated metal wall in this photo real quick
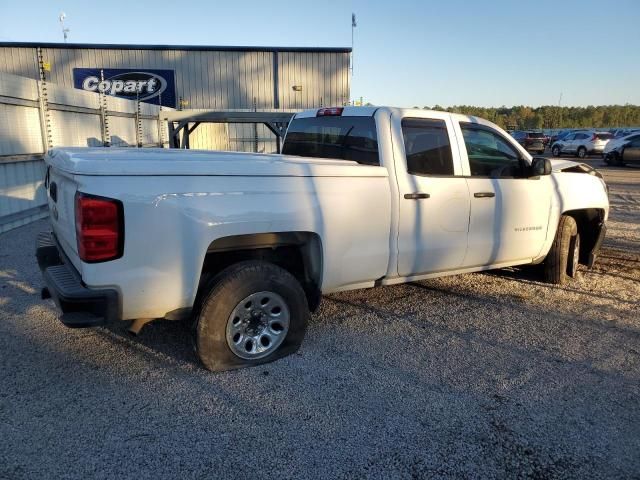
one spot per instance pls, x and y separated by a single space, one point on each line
207 79
74 119
211 79
232 78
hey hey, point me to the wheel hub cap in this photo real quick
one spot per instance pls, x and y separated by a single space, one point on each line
258 325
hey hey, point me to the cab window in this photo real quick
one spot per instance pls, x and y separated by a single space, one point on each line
490 155
342 138
426 143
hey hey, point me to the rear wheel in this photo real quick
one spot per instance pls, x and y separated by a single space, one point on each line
563 258
255 312
555 151
582 152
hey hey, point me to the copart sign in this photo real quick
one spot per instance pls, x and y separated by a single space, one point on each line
150 86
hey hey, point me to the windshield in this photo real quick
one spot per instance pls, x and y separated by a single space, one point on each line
604 136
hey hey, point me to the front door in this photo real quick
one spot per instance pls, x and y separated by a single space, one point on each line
569 144
434 197
509 209
631 152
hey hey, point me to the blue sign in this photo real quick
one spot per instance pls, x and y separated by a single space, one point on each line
150 86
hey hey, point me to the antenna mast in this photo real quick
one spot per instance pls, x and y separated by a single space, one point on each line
65 31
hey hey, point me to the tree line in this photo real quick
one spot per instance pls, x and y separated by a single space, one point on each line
551 117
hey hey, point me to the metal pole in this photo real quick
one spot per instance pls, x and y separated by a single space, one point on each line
353 26
560 110
45 115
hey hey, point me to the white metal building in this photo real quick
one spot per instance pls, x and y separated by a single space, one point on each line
58 94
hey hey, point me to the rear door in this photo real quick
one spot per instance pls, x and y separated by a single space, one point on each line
600 140
536 141
581 140
433 195
509 212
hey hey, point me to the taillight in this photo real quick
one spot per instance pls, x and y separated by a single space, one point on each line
330 112
99 228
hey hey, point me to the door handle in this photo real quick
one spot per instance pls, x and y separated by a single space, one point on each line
416 196
484 194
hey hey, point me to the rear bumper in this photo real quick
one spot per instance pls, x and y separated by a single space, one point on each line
535 146
81 306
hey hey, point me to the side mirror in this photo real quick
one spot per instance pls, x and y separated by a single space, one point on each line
540 166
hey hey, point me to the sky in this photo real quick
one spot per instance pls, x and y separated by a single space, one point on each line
406 53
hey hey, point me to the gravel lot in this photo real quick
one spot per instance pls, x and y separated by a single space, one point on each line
483 375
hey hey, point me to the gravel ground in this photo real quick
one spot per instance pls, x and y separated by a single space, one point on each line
492 375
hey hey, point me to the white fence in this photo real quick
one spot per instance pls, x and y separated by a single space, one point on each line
35 116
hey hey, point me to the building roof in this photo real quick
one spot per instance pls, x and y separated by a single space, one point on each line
215 48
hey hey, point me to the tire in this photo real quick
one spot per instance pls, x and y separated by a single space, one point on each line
573 261
582 152
618 159
236 328
559 262
555 151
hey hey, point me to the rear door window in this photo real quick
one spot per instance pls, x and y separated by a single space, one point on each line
426 143
341 138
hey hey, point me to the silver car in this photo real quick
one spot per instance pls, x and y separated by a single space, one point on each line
582 143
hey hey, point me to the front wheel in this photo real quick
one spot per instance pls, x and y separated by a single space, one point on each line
255 312
555 151
563 258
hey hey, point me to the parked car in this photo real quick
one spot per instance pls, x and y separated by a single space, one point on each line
582 143
531 141
245 245
624 132
623 150
561 135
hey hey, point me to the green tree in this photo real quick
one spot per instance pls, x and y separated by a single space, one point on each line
551 116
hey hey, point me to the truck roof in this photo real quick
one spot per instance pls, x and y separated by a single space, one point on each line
351 111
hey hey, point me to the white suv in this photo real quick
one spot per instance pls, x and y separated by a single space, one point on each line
582 143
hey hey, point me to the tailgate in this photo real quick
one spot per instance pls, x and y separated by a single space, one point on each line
61 191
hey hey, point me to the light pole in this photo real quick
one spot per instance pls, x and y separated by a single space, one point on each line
353 26
65 31
560 110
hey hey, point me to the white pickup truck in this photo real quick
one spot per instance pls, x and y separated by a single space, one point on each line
245 244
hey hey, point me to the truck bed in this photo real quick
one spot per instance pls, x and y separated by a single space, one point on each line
159 161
